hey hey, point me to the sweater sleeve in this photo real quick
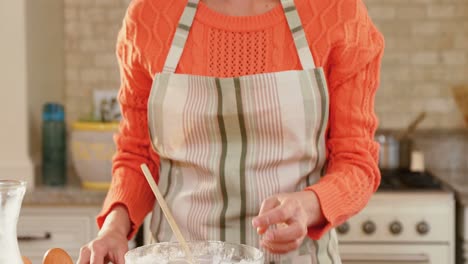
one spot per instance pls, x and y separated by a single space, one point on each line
352 174
129 187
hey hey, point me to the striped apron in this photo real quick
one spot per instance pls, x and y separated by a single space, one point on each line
226 144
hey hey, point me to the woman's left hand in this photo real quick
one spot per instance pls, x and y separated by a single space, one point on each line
292 214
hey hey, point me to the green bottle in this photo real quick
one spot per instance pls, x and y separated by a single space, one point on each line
54 160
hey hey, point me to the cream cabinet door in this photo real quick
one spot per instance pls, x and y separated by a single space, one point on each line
42 228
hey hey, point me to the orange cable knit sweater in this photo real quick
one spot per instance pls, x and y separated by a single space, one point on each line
343 41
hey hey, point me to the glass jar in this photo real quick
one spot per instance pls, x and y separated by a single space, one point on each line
11 197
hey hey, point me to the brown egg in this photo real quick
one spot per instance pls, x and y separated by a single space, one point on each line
57 256
26 260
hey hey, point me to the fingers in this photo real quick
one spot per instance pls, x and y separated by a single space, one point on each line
120 259
281 247
98 253
267 205
277 215
108 246
85 255
286 234
287 213
119 256
96 258
284 239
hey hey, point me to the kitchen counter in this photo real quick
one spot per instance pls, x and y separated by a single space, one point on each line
457 181
63 196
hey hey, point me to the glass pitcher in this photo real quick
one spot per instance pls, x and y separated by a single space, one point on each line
11 196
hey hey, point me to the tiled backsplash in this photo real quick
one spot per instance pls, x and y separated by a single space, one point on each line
91 28
426 54
443 150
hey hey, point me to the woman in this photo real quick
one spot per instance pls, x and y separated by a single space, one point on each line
260 114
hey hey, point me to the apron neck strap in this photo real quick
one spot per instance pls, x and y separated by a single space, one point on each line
186 20
297 30
180 36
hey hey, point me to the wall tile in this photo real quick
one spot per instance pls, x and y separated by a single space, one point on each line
410 12
441 11
425 55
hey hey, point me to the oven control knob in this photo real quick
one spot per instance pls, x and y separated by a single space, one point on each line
369 227
396 228
423 228
343 228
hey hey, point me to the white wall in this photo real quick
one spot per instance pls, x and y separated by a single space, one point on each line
45 63
14 156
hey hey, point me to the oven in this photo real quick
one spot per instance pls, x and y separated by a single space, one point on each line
394 254
401 227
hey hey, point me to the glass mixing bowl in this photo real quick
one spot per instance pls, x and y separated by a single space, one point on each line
204 252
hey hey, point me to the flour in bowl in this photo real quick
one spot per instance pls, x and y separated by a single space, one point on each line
204 252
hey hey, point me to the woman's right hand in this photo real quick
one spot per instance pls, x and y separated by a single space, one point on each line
111 244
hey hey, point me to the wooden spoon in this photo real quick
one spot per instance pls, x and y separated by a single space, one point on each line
167 212
57 256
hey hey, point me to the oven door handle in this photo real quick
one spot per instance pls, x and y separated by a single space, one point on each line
385 258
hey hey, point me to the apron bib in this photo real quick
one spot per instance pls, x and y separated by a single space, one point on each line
226 144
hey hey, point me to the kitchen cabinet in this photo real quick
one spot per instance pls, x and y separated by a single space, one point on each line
57 217
457 180
44 227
